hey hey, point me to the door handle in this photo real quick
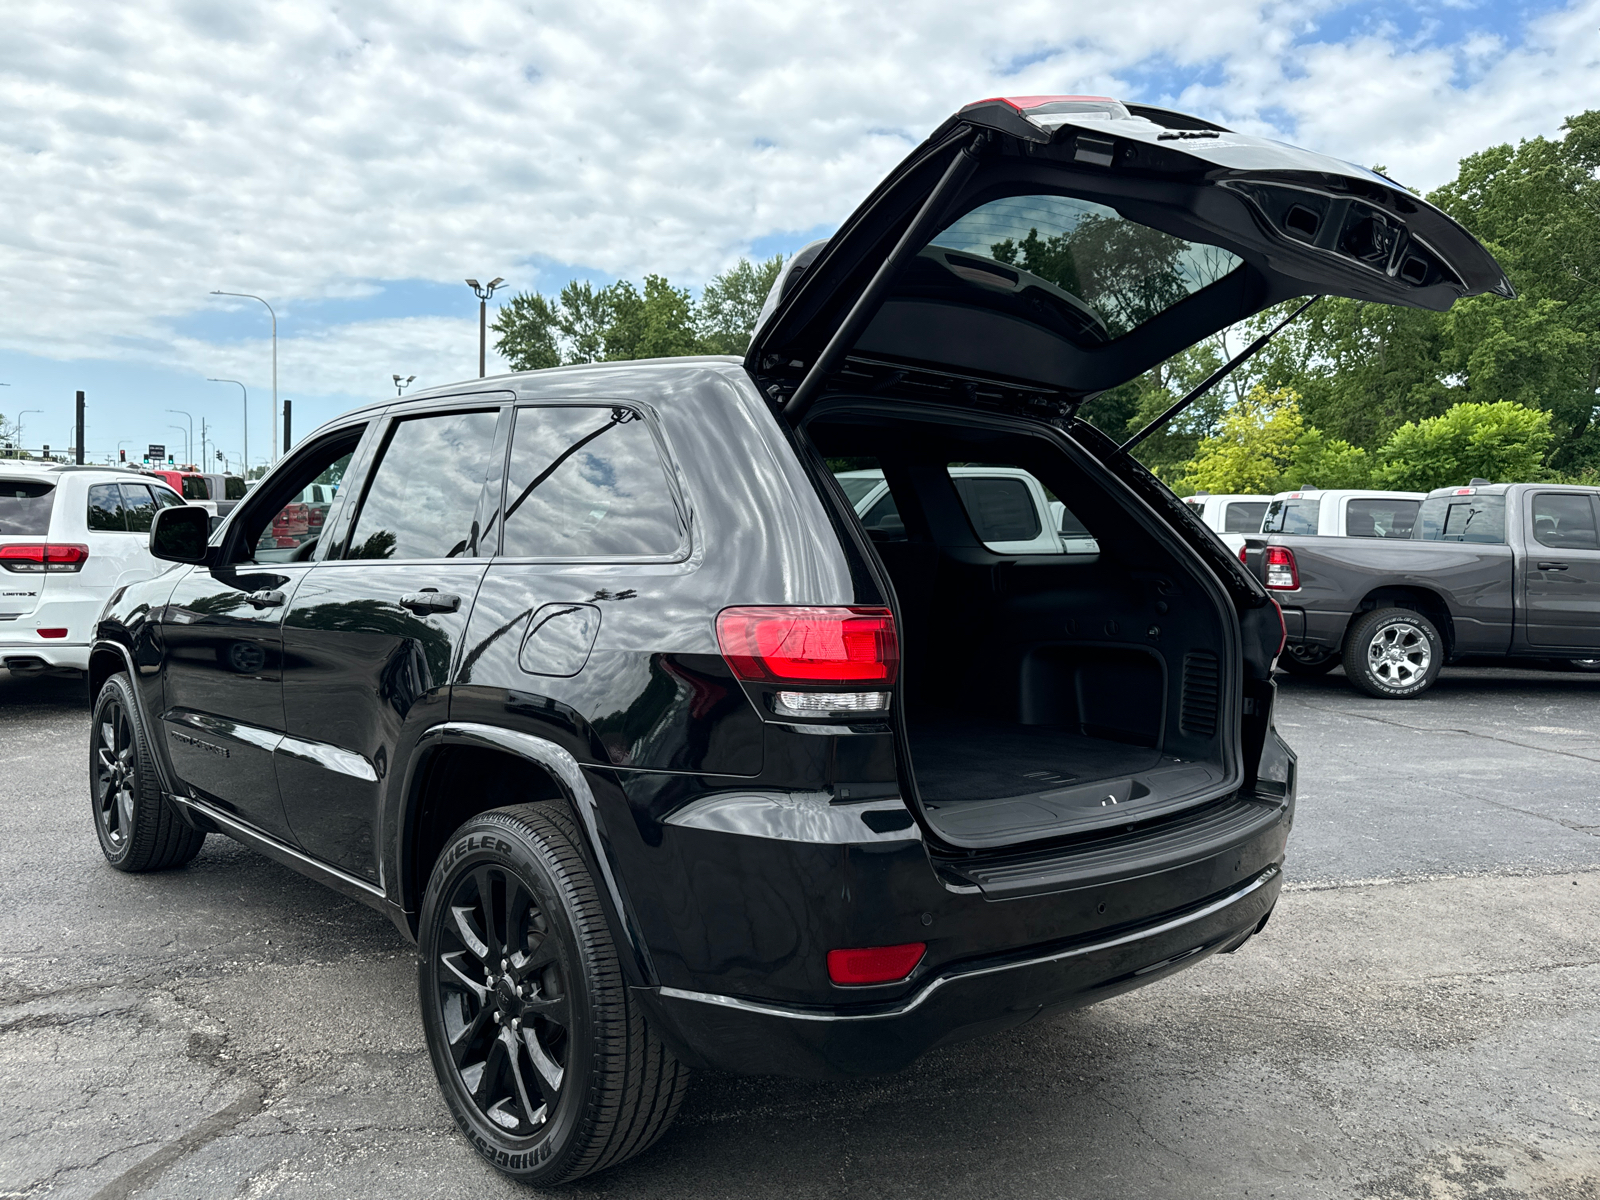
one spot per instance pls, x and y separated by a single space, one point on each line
1550 566
428 601
265 599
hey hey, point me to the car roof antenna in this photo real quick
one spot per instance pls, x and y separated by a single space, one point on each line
1216 377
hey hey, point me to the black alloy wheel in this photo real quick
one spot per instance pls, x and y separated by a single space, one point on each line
138 829
543 1058
1393 653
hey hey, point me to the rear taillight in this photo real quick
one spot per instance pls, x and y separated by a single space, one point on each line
874 964
1282 573
38 557
1244 555
810 645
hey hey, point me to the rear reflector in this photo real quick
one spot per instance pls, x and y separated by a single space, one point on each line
1282 573
38 557
53 633
783 644
874 964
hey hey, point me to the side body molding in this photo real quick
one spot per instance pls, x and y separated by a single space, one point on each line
636 962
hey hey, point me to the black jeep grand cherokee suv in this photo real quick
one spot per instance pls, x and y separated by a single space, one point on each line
595 683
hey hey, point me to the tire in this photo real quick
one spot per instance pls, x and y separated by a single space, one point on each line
1393 653
542 980
1589 666
1307 668
138 830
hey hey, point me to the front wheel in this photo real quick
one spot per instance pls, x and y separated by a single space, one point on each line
139 830
1393 653
544 1059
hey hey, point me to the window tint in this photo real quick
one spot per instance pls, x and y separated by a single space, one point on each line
1380 518
233 488
1291 516
587 483
1244 516
1564 522
1001 508
856 487
1480 519
139 506
25 506
1070 526
105 509
424 491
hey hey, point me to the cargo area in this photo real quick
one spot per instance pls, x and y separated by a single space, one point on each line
1081 685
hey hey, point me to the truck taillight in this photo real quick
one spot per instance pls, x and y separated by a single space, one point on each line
1282 573
36 558
1244 555
793 644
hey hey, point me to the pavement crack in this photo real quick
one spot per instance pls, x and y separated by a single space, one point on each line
1493 737
145 1172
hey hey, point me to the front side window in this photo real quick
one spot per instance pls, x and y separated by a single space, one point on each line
1480 519
105 509
290 531
1079 267
425 489
1291 516
25 506
1380 518
588 482
1244 516
1564 522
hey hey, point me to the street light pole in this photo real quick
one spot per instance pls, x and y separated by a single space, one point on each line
246 471
22 445
483 291
188 449
248 296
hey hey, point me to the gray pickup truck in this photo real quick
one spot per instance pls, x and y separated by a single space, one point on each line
1489 570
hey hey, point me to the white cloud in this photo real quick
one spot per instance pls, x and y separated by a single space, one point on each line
151 151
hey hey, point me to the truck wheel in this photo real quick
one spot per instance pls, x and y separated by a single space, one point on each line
139 830
1393 653
1308 662
544 1059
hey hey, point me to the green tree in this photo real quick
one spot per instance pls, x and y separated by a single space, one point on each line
1252 449
528 326
726 315
1502 442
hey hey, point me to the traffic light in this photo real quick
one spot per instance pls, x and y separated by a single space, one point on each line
122 456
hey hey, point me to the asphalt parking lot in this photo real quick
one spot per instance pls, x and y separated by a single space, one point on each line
1420 1019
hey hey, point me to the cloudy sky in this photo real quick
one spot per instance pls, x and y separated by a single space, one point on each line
352 162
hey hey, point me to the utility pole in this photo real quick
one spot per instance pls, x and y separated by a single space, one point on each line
483 291
286 438
80 430
205 461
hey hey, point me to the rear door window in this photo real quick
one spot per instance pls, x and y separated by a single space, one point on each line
106 513
1380 518
588 482
423 493
1291 516
139 506
233 488
1564 522
1000 507
1479 519
1244 516
25 506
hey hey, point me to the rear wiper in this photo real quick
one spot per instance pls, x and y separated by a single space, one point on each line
1215 377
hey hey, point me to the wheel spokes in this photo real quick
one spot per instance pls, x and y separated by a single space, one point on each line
462 915
547 1072
514 1058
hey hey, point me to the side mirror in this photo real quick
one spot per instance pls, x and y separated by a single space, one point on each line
180 534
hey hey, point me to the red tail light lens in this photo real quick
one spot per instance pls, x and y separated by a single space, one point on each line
1282 573
874 964
39 557
1244 554
810 645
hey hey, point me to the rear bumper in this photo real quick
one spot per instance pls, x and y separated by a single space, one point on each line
20 640
963 1000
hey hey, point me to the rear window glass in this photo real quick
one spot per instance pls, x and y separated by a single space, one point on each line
1479 519
1380 518
1564 522
233 488
1078 267
166 498
194 488
1001 508
139 506
423 494
588 482
25 506
1244 516
1291 516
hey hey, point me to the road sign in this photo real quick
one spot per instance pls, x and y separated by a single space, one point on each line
156 453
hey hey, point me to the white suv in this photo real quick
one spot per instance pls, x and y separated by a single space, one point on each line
69 537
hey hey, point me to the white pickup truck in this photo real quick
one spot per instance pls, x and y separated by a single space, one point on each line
1342 512
1010 510
1230 516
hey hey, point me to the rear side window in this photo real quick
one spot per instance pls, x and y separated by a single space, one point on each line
1380 518
139 506
424 491
1291 516
1564 522
1480 519
233 488
1244 516
194 488
25 506
588 483
1001 508
105 509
